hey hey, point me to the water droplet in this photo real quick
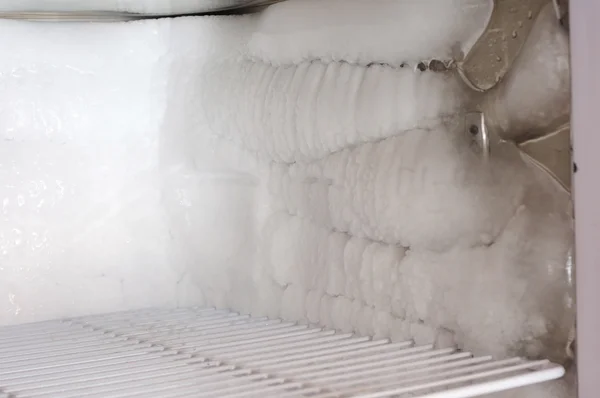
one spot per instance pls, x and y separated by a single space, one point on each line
520 24
530 14
514 34
498 58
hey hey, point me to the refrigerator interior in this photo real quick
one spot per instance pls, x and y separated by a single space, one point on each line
314 163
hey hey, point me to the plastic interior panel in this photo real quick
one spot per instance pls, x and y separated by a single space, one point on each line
208 353
585 56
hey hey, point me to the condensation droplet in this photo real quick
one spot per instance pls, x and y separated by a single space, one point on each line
530 14
514 34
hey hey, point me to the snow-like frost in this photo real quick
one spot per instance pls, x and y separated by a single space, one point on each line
278 165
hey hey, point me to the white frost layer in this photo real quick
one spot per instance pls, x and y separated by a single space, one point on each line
326 192
378 31
488 245
309 111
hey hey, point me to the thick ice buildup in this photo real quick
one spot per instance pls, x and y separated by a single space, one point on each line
365 32
284 171
539 76
378 153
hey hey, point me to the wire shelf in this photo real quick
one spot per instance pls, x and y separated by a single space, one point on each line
197 352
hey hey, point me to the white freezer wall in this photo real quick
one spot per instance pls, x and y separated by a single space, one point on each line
247 162
82 225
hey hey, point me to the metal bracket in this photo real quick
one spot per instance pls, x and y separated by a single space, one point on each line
494 53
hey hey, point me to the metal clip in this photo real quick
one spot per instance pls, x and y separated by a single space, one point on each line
477 130
494 53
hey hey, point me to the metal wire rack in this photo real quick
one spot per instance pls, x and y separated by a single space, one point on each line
198 352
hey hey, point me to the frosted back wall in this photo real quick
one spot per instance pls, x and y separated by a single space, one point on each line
280 164
295 164
81 225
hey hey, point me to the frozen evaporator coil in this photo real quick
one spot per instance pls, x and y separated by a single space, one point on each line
198 352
